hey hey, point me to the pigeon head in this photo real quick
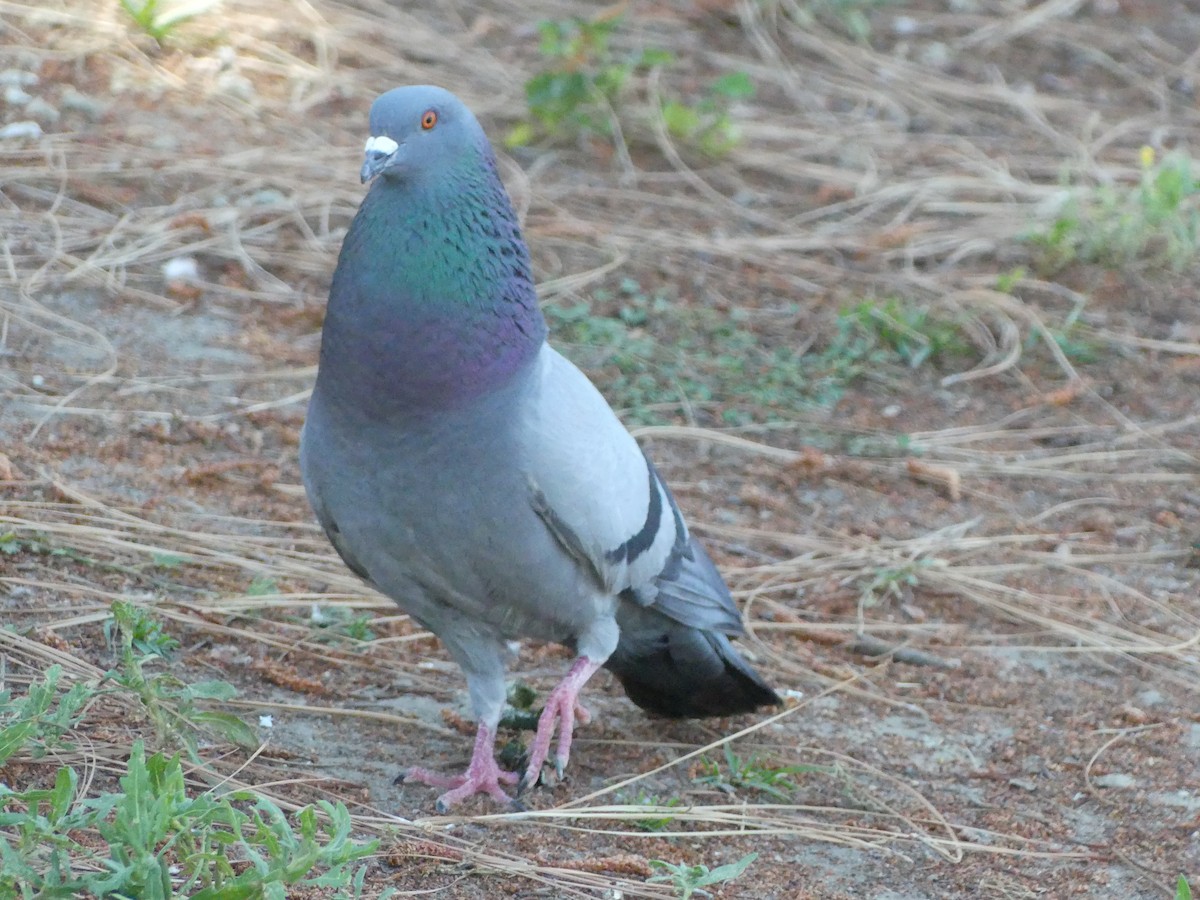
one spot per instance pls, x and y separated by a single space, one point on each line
433 302
417 132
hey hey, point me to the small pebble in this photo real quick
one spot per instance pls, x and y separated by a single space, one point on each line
1118 780
237 85
15 95
41 110
17 77
181 269
936 55
20 130
905 25
74 101
265 197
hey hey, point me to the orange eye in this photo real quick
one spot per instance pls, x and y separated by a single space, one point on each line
429 119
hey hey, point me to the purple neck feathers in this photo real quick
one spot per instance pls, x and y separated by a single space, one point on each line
432 303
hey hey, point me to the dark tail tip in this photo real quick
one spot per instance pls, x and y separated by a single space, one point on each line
691 674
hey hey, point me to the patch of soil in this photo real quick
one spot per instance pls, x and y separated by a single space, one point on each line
981 595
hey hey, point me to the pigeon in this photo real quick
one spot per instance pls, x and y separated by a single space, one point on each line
465 469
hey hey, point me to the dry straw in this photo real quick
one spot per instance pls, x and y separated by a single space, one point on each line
848 153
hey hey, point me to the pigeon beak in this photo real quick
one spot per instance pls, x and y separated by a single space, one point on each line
378 153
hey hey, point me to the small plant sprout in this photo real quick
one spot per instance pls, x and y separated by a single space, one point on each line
159 18
139 643
262 586
913 333
40 720
153 838
894 581
751 773
691 880
655 821
579 89
336 623
653 356
1155 223
706 124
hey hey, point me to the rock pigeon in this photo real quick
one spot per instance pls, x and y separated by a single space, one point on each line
468 471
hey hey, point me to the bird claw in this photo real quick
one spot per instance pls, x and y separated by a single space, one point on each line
563 710
483 776
524 784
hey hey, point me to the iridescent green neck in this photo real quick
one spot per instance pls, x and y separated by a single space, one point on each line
433 302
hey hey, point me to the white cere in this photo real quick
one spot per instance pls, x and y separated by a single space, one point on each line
380 145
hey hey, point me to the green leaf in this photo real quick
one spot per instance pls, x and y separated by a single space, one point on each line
211 690
63 794
551 34
735 86
520 135
729 871
682 121
1183 890
13 738
655 56
262 586
167 560
229 727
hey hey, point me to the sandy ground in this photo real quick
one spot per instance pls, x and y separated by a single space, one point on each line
980 596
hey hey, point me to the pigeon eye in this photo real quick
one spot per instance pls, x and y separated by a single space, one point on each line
429 119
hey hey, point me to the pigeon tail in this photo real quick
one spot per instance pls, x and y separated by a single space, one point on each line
687 673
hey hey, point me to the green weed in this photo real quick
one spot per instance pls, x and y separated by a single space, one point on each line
578 90
751 773
151 840
139 643
1155 223
1006 282
1183 890
159 18
689 880
706 124
41 544
913 334
520 714
895 582
162 560
1074 346
333 624
652 356
658 821
262 586
582 86
39 721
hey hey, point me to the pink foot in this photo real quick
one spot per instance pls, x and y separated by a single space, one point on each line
483 776
563 707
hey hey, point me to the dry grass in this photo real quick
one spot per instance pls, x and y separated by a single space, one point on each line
922 180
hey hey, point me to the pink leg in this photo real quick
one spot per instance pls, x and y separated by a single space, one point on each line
483 776
562 706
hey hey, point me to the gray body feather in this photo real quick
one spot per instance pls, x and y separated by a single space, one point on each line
530 513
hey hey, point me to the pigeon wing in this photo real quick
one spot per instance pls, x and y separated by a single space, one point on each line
603 500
